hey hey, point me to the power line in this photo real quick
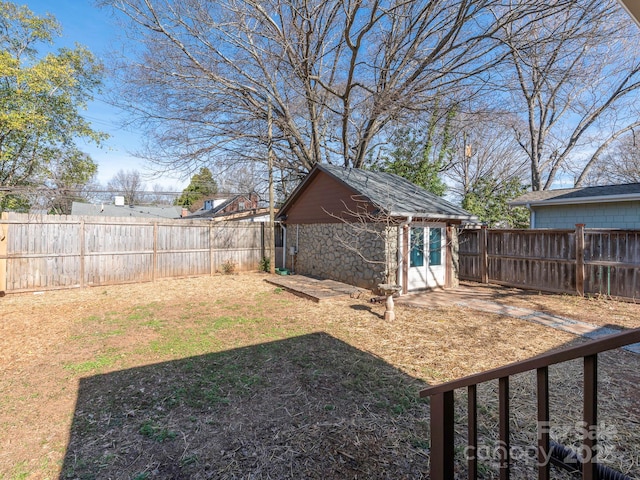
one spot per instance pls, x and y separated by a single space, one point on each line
79 191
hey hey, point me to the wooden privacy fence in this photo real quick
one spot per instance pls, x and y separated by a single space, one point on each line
582 261
52 251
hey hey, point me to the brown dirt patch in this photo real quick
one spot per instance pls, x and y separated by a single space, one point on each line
229 377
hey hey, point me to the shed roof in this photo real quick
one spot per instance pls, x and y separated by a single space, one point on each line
566 196
391 193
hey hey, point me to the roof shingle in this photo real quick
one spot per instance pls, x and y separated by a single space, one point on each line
391 193
579 194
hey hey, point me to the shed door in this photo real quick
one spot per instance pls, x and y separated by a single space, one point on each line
426 256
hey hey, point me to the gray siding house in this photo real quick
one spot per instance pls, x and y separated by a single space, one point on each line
609 206
365 228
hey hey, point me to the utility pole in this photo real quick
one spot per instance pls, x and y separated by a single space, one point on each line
272 236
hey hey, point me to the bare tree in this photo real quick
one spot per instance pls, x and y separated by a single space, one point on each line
364 223
243 177
484 148
572 78
161 195
128 184
334 73
620 164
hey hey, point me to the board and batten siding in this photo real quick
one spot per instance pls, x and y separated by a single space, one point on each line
323 194
59 251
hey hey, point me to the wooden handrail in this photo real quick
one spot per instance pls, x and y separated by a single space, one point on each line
594 347
442 409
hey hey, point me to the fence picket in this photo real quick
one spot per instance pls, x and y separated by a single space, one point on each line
47 252
584 261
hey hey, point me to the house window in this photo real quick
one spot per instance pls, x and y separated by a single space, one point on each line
240 205
435 246
416 256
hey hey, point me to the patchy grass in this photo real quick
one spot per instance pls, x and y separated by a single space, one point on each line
98 364
227 376
153 431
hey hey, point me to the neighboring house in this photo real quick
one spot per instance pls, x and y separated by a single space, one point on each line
118 209
219 207
366 228
253 215
610 206
212 202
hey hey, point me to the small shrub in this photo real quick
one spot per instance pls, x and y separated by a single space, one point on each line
265 265
228 267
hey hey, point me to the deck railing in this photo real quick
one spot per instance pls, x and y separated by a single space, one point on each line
442 409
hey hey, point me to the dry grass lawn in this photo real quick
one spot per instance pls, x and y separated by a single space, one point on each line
230 377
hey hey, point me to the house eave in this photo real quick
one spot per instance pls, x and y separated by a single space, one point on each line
629 197
435 216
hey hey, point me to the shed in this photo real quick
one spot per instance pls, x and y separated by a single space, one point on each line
365 228
607 206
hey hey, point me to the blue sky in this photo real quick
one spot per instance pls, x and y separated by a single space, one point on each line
82 22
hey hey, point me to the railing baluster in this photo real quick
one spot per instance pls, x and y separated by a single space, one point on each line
472 414
543 423
442 452
590 416
442 436
503 400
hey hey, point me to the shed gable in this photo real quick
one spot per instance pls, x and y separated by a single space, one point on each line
323 194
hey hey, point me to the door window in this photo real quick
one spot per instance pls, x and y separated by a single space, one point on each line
435 246
416 257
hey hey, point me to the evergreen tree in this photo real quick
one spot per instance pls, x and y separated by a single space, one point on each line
489 198
421 156
202 184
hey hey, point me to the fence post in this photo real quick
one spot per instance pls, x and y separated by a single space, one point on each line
263 240
82 252
154 271
580 259
212 266
4 242
484 256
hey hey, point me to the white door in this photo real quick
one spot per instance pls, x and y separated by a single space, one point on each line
426 256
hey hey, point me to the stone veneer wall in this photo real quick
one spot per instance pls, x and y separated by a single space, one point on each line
322 252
